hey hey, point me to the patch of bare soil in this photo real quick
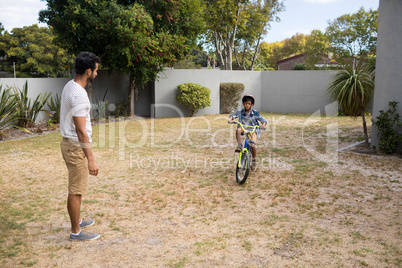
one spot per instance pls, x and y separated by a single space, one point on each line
362 148
40 129
16 134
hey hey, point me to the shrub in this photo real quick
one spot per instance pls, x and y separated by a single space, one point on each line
386 123
54 106
8 108
122 109
28 113
100 107
193 97
230 94
300 66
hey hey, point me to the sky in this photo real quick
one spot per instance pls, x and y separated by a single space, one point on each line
303 16
299 16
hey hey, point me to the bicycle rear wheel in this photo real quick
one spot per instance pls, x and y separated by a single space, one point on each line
243 170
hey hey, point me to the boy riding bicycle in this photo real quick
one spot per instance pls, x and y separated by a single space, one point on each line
250 117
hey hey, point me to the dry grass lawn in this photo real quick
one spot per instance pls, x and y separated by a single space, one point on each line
166 197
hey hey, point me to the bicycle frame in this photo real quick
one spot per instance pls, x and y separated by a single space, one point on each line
246 148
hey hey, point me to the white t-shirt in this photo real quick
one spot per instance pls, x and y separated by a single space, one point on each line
74 102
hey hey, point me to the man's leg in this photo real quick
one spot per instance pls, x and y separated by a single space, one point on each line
77 166
74 210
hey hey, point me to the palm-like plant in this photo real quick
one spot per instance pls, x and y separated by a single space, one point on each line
353 88
8 111
54 106
28 112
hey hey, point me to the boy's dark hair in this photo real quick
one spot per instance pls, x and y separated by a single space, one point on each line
84 61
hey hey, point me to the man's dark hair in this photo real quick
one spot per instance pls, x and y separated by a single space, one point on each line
84 61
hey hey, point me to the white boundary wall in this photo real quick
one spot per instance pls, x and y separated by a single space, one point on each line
166 89
296 91
116 85
275 91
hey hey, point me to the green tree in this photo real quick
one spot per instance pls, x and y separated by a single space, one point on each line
316 44
2 45
267 53
259 15
138 38
34 53
195 60
200 57
293 45
353 88
286 48
187 63
312 45
239 25
300 67
354 35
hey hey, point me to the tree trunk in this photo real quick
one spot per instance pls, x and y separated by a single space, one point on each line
243 60
227 42
218 43
237 60
229 53
230 40
256 53
132 95
365 129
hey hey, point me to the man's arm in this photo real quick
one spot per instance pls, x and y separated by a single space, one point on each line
83 138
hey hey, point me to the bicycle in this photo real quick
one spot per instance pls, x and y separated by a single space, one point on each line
245 156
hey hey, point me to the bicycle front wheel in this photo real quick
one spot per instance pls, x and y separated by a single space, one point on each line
243 168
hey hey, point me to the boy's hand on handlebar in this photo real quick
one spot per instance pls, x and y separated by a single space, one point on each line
263 126
230 121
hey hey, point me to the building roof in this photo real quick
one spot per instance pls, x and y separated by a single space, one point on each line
290 58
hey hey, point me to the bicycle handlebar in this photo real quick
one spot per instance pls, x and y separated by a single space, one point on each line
243 126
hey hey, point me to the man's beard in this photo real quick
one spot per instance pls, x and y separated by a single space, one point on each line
90 79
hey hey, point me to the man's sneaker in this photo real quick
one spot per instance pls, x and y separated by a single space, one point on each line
253 165
82 236
238 148
86 223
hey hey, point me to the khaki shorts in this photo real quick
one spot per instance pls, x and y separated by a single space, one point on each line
253 137
77 165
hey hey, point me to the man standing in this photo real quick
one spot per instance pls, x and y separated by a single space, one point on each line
76 129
